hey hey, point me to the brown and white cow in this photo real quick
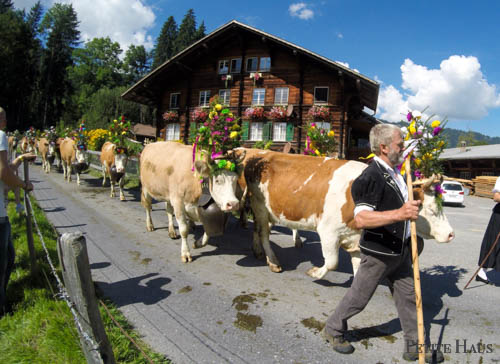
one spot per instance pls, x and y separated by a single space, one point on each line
46 150
113 165
242 193
71 154
12 141
314 193
166 175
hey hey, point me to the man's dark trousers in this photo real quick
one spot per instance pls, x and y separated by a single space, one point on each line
372 270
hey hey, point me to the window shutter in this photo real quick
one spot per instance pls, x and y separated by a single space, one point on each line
192 131
266 131
289 132
245 126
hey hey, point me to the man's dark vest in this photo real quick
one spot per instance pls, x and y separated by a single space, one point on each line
385 194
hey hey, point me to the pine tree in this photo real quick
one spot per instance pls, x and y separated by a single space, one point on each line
200 33
187 32
5 5
165 44
60 29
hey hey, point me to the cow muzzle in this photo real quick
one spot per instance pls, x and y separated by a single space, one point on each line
231 206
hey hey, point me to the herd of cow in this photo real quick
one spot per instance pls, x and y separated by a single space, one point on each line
296 191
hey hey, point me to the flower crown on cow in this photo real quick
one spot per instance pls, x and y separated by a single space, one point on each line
80 136
424 142
219 134
51 134
30 133
119 131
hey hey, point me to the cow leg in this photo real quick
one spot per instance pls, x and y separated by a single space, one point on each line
330 248
120 185
104 175
200 243
146 203
68 169
64 170
351 245
112 185
170 214
183 224
258 252
296 239
264 230
78 178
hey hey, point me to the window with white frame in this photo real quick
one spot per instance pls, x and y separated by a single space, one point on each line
256 129
225 96
281 96
236 65
174 100
265 64
321 95
173 131
323 125
252 63
205 98
279 132
258 97
223 67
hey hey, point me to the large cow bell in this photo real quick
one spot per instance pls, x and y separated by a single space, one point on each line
80 167
115 176
212 218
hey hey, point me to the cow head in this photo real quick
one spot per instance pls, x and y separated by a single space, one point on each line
121 159
81 157
432 223
222 184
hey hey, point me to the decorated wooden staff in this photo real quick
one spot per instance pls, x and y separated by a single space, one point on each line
484 261
416 269
423 138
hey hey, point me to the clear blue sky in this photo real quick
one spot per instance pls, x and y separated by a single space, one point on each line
441 54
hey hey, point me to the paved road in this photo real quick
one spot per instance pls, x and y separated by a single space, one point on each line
227 307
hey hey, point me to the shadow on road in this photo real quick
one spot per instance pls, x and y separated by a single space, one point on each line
130 291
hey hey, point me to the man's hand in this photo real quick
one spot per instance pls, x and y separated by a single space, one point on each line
409 211
30 157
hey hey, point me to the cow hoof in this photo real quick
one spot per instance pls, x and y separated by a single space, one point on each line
173 235
150 228
186 258
316 272
199 243
275 268
122 198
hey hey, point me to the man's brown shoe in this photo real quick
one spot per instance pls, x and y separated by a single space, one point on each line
412 356
338 343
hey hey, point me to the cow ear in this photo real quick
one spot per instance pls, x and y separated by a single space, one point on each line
202 168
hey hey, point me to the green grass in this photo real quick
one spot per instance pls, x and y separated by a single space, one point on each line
40 328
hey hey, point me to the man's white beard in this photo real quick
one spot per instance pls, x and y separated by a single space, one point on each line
395 158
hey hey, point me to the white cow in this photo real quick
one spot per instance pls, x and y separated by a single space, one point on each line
166 175
113 165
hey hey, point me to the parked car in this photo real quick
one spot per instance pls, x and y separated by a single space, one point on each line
453 192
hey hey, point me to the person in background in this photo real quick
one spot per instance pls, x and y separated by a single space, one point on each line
383 211
8 178
489 238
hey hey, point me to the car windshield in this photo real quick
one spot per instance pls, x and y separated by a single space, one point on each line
452 187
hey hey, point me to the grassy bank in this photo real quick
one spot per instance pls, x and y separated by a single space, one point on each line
39 328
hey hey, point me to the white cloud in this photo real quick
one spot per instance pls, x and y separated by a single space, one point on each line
345 64
301 11
340 35
124 21
457 90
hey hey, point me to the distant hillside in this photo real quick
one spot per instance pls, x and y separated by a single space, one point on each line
452 136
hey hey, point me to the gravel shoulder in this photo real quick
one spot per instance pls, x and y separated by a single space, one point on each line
226 306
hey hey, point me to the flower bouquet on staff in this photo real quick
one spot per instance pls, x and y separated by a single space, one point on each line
119 131
170 116
278 113
424 144
200 114
216 137
254 112
319 113
319 142
80 136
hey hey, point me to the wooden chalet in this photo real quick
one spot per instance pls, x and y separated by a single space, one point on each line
247 68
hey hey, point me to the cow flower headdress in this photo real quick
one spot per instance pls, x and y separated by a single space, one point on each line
119 131
319 141
80 136
216 137
51 134
424 143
